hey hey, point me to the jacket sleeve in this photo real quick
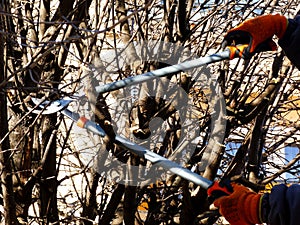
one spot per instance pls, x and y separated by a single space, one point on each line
283 204
290 41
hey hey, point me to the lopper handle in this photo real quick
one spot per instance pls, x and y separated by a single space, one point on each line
242 51
184 66
83 122
238 51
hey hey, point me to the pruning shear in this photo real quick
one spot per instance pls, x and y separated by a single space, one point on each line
215 189
61 106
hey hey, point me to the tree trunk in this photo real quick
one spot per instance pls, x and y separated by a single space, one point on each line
48 177
5 154
90 207
129 205
112 206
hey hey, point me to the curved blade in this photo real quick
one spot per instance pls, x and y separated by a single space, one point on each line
48 107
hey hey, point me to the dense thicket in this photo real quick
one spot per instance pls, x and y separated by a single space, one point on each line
50 49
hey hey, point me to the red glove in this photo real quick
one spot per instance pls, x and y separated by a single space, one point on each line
257 33
241 207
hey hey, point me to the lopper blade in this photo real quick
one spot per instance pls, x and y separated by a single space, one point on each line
50 107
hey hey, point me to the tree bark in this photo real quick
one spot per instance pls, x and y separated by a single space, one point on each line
48 177
112 206
90 207
5 153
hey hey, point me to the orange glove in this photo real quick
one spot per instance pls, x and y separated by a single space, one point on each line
241 207
257 33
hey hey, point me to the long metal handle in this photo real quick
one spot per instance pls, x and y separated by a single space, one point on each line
164 71
158 160
155 159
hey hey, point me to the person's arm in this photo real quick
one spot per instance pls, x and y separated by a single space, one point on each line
290 41
257 33
282 205
245 207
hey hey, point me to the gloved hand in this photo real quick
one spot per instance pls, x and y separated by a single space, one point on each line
257 33
241 207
